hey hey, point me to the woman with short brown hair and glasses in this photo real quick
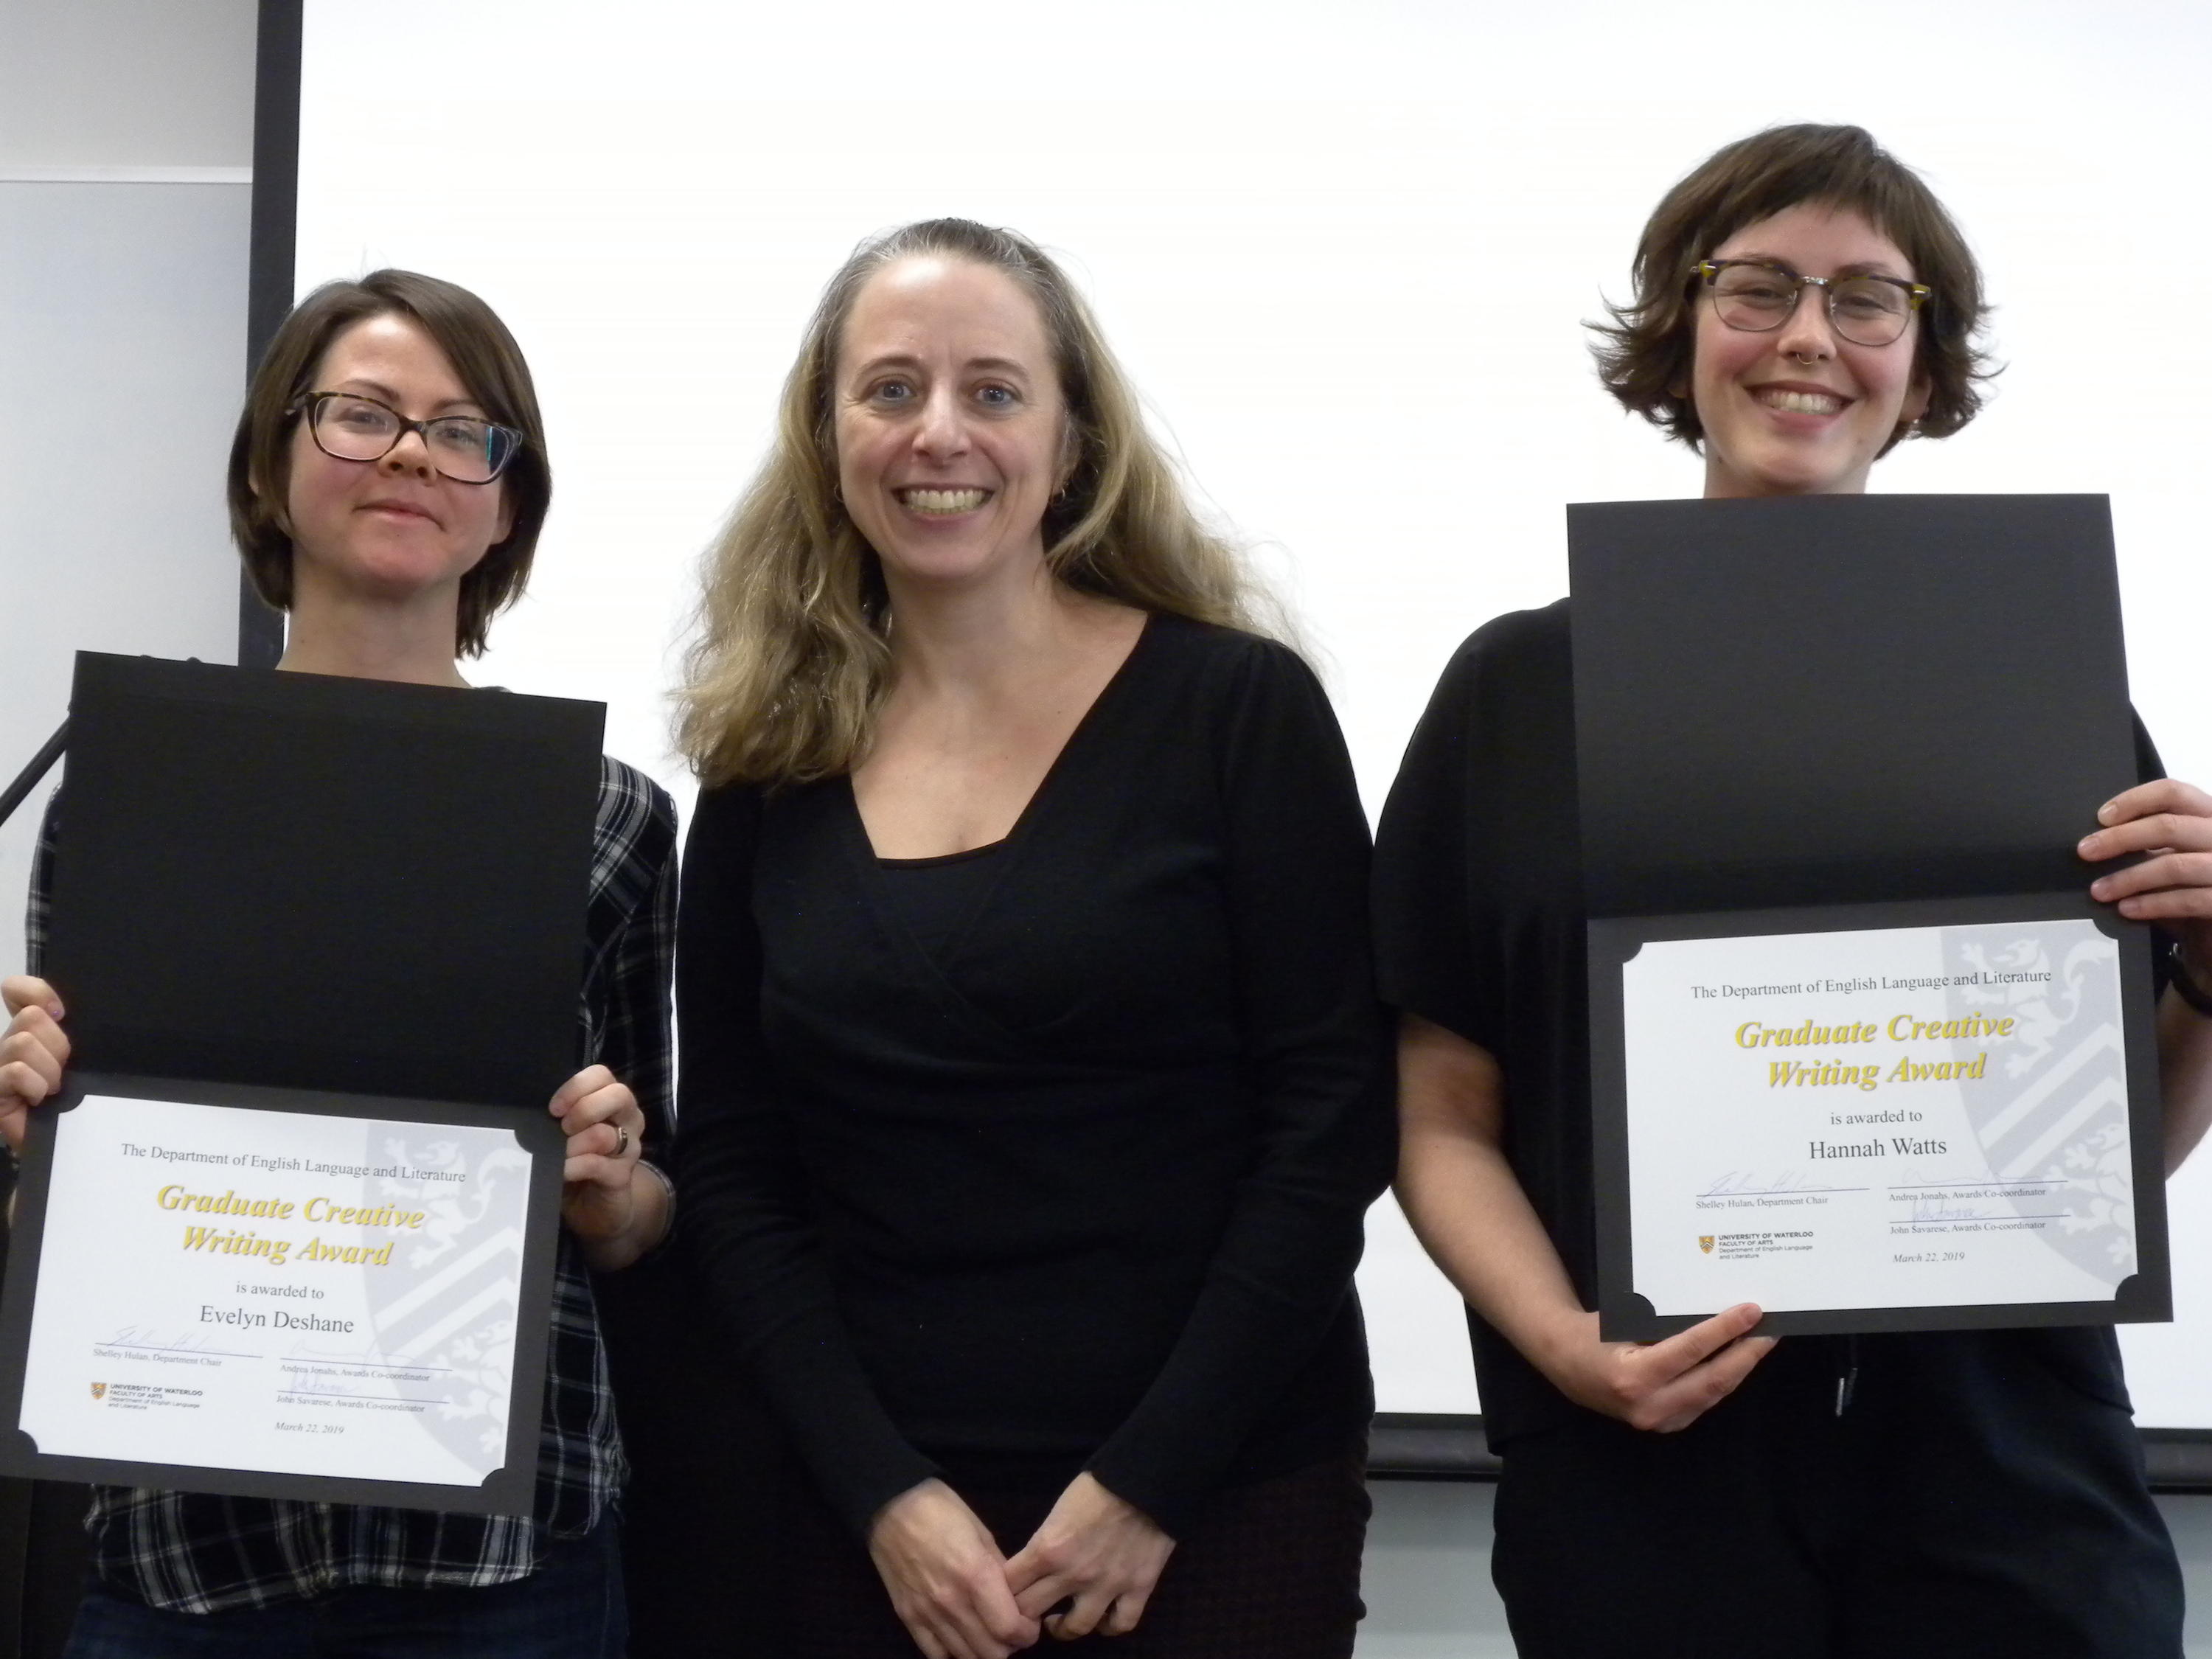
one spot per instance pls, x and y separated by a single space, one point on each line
387 484
1802 304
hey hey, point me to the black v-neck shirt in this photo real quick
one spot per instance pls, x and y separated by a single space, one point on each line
938 899
1080 1183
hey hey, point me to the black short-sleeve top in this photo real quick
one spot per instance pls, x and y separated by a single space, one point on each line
1480 929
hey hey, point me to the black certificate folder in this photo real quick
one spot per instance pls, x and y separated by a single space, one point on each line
291 1230
1863 1051
292 879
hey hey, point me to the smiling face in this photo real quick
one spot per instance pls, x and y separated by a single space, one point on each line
394 529
1800 411
949 422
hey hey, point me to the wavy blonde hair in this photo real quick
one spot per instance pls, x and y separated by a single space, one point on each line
792 661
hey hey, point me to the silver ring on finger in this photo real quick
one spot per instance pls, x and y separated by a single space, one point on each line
622 1140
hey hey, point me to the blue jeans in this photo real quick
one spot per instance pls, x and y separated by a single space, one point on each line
570 1608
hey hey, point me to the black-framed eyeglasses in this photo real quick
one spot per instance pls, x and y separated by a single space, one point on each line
1758 296
348 427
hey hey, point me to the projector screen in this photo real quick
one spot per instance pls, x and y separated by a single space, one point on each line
1347 252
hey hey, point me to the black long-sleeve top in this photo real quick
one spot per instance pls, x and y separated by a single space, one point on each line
1081 1186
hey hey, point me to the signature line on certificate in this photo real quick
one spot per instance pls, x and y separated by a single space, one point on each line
1952 1220
1771 1192
297 1395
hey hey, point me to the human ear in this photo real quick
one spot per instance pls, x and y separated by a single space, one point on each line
1070 456
1916 403
272 501
1682 346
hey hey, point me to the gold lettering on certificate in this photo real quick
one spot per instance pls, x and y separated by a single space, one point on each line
234 1241
1903 1028
178 1198
1833 1072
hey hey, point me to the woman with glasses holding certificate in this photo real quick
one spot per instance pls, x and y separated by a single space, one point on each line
387 484
1802 305
1033 1087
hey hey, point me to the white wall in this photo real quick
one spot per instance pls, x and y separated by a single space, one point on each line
1347 251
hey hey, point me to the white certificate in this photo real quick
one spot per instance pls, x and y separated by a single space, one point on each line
1880 1119
281 1293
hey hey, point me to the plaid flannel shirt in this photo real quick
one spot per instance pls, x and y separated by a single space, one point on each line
201 1552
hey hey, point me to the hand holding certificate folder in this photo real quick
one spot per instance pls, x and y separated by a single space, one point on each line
1865 1051
290 1231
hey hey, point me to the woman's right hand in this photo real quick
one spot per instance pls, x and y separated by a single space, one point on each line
1466 1204
1661 1387
946 1577
31 1054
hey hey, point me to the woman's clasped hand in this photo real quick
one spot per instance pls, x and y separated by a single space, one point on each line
1098 1554
1089 1567
947 1578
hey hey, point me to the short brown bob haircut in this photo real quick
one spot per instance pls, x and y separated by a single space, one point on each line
489 364
1644 357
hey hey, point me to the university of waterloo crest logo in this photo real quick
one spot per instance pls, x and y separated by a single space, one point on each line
99 1391
1706 1243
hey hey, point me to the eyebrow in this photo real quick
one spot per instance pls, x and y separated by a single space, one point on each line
384 393
974 365
1856 268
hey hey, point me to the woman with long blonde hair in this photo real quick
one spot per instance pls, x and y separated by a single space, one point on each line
1033 1087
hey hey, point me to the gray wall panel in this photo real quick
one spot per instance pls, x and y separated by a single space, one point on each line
126 82
122 354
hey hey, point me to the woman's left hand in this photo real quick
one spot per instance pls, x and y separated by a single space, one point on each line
601 1199
1105 1554
2172 821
